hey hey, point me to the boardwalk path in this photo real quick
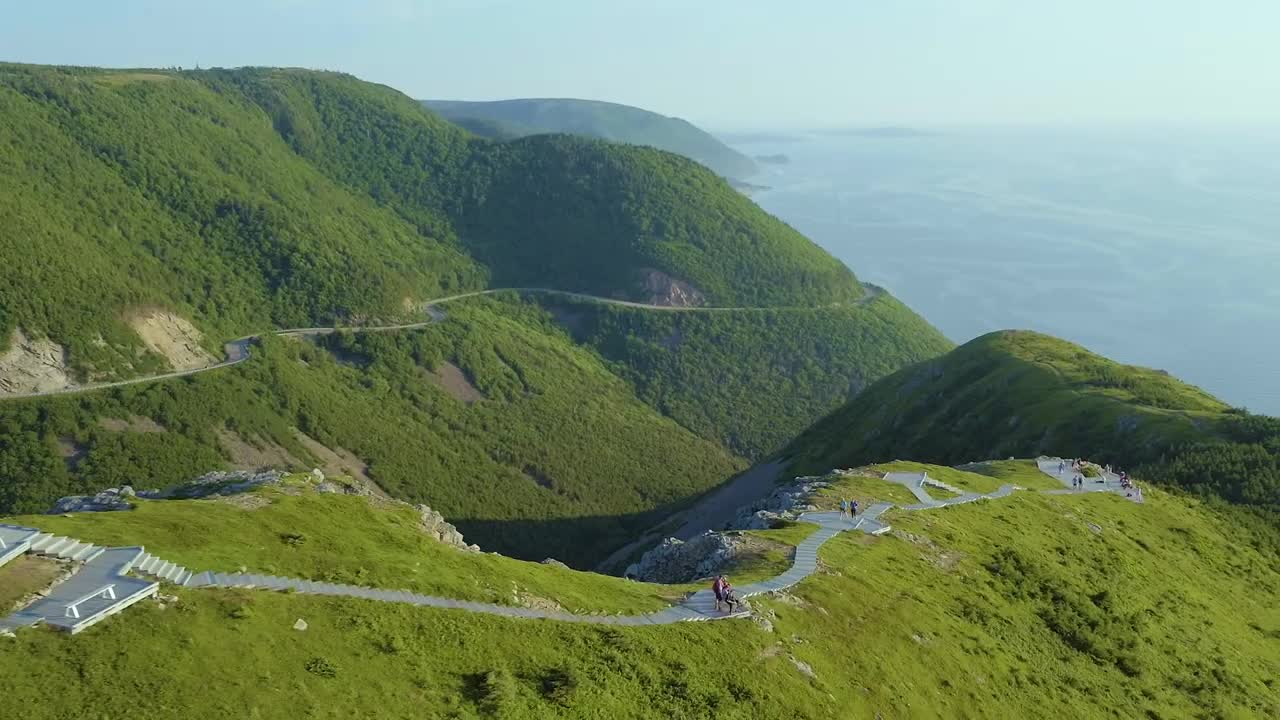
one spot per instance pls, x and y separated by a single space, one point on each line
109 567
237 351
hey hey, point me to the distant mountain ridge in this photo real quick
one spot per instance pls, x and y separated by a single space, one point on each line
503 119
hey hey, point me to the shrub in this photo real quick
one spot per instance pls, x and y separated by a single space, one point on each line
321 667
559 684
497 692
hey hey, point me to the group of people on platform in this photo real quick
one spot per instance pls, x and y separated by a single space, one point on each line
848 508
1078 479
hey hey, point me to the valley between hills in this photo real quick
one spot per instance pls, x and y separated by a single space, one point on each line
700 366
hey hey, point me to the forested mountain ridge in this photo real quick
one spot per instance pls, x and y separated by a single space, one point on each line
504 119
1024 393
250 198
220 203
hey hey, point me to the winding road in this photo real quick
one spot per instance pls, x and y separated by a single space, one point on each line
237 351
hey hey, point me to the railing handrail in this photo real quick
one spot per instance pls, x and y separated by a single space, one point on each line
73 607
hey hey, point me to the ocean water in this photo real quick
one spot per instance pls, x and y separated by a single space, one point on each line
1153 248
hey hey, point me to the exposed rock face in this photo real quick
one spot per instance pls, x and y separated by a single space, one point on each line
674 561
105 501
784 503
662 289
217 483
172 338
433 524
33 366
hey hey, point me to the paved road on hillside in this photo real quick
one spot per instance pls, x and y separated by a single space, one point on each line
237 351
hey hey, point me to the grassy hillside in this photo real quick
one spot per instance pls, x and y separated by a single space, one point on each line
291 530
592 118
1035 606
250 199
530 445
120 190
1022 393
753 380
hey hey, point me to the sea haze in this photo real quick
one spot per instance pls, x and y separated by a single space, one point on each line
1158 248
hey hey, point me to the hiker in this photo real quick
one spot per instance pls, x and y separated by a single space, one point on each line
853 508
1062 465
844 507
729 598
717 589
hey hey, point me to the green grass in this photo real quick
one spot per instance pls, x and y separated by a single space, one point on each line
971 482
342 539
866 490
24 575
773 555
1023 473
1032 606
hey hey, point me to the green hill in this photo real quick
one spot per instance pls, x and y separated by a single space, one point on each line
1023 393
1032 606
251 198
593 118
148 216
493 417
753 380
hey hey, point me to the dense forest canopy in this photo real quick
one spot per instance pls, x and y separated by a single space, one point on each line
257 197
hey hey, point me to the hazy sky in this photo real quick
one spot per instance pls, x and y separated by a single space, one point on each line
724 63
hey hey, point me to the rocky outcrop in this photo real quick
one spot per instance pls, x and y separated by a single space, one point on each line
433 524
675 561
221 482
171 337
212 484
33 366
784 503
662 289
106 501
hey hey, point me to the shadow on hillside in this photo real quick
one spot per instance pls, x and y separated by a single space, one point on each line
579 542
586 542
